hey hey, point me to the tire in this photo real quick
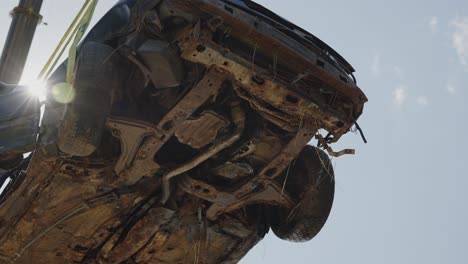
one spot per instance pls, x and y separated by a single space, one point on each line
311 183
96 78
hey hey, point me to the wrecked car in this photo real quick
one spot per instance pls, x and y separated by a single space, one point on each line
184 139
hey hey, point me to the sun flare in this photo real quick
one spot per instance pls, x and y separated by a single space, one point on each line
37 89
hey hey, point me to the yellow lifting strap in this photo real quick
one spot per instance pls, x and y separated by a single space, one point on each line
75 31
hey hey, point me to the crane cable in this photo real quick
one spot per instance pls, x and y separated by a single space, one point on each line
75 31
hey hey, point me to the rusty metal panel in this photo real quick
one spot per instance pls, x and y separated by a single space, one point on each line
200 131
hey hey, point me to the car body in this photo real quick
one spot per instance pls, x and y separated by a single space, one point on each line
185 140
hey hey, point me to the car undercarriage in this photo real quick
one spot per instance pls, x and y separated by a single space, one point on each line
185 139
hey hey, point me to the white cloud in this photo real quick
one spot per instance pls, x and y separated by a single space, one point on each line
433 23
451 89
400 74
460 38
399 95
422 101
375 65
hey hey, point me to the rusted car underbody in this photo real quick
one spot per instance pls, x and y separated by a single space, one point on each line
201 150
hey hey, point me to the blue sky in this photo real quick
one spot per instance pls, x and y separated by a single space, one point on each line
402 197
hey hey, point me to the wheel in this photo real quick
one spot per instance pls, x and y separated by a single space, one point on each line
310 181
96 78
